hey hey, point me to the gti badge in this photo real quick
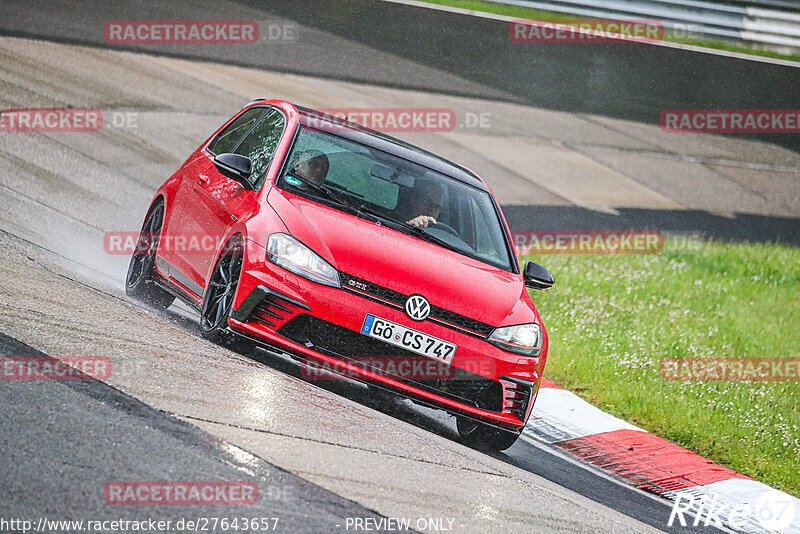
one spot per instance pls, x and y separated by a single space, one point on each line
417 307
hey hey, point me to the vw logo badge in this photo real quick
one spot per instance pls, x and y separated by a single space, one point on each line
418 307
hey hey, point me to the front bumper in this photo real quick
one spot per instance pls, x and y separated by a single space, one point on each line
323 325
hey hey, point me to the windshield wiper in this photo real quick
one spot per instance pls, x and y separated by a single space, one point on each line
324 191
417 231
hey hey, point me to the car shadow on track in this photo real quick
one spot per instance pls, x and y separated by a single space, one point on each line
369 395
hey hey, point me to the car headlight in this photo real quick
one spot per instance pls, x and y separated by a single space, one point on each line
523 339
292 255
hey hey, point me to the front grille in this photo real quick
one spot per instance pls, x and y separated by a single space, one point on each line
438 315
448 318
353 347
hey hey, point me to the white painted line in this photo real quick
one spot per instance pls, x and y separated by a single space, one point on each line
571 416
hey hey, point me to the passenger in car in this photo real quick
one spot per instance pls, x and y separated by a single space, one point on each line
312 165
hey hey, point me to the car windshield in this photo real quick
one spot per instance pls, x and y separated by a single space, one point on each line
411 198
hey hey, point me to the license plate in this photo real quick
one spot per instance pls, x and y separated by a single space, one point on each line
409 339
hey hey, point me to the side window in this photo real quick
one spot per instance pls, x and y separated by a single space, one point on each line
231 135
259 145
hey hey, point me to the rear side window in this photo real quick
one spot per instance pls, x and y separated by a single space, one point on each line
230 136
260 143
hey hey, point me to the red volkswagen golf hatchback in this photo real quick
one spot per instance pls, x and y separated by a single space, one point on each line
357 254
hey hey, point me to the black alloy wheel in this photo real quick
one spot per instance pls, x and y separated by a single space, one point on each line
219 297
140 281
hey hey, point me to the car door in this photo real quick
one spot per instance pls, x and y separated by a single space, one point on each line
179 258
217 198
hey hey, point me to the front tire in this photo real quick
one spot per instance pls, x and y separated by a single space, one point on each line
219 297
485 437
140 281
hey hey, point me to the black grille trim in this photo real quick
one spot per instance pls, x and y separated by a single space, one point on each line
345 345
263 309
519 395
258 301
262 320
394 299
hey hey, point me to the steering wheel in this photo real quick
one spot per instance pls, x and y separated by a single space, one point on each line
446 228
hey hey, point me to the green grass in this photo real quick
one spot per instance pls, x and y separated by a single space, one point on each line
612 318
538 14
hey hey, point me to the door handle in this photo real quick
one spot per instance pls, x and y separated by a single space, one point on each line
202 178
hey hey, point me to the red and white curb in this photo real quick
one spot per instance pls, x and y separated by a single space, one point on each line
706 492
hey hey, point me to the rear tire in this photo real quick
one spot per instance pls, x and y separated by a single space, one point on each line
485 437
140 282
219 297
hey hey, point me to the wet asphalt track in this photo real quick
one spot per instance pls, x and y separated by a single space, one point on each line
337 451
63 440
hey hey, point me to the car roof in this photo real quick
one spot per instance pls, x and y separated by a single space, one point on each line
386 143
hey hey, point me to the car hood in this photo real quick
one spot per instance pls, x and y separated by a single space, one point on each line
404 263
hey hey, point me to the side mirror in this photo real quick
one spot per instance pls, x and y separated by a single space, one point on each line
235 167
536 276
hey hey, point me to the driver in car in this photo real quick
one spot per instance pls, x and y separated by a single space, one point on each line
425 204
